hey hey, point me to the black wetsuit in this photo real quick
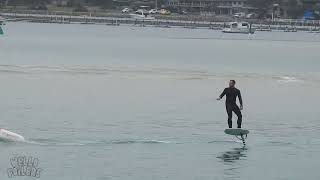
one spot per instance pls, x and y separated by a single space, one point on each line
231 105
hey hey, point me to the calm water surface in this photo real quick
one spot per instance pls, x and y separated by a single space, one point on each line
98 102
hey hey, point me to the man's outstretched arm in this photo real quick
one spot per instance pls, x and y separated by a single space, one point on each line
222 94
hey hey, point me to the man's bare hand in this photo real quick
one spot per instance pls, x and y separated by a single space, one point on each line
241 107
218 99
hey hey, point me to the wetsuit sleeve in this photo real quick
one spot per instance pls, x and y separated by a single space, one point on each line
223 93
240 98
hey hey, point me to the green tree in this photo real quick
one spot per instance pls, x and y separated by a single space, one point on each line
295 10
261 5
101 3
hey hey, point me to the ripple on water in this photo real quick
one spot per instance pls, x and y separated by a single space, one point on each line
53 142
233 155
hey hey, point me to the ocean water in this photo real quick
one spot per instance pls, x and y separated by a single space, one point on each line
130 103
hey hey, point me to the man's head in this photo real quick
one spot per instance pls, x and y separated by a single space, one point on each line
232 83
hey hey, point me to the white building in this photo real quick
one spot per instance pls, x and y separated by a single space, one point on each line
216 6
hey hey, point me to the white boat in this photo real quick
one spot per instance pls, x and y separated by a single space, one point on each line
238 27
142 14
6 135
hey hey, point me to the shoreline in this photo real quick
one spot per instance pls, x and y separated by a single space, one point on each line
164 21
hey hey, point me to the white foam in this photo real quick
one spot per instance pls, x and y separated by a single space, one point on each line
288 79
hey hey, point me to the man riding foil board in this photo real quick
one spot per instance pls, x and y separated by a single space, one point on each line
231 106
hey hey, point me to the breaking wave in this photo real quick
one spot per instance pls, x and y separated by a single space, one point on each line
288 79
143 72
98 70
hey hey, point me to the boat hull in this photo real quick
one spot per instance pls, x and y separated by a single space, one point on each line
9 136
244 31
142 17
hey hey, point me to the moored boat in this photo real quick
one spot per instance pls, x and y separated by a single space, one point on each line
238 27
142 14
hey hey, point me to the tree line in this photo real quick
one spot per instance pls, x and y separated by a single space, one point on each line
294 8
69 2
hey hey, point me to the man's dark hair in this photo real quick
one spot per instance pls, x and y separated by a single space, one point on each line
234 82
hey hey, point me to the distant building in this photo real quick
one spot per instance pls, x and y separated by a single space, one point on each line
310 1
280 8
60 2
228 7
311 4
134 3
68 2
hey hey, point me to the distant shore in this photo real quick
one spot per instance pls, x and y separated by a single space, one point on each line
186 21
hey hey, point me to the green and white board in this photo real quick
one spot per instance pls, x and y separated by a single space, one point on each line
241 134
236 132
